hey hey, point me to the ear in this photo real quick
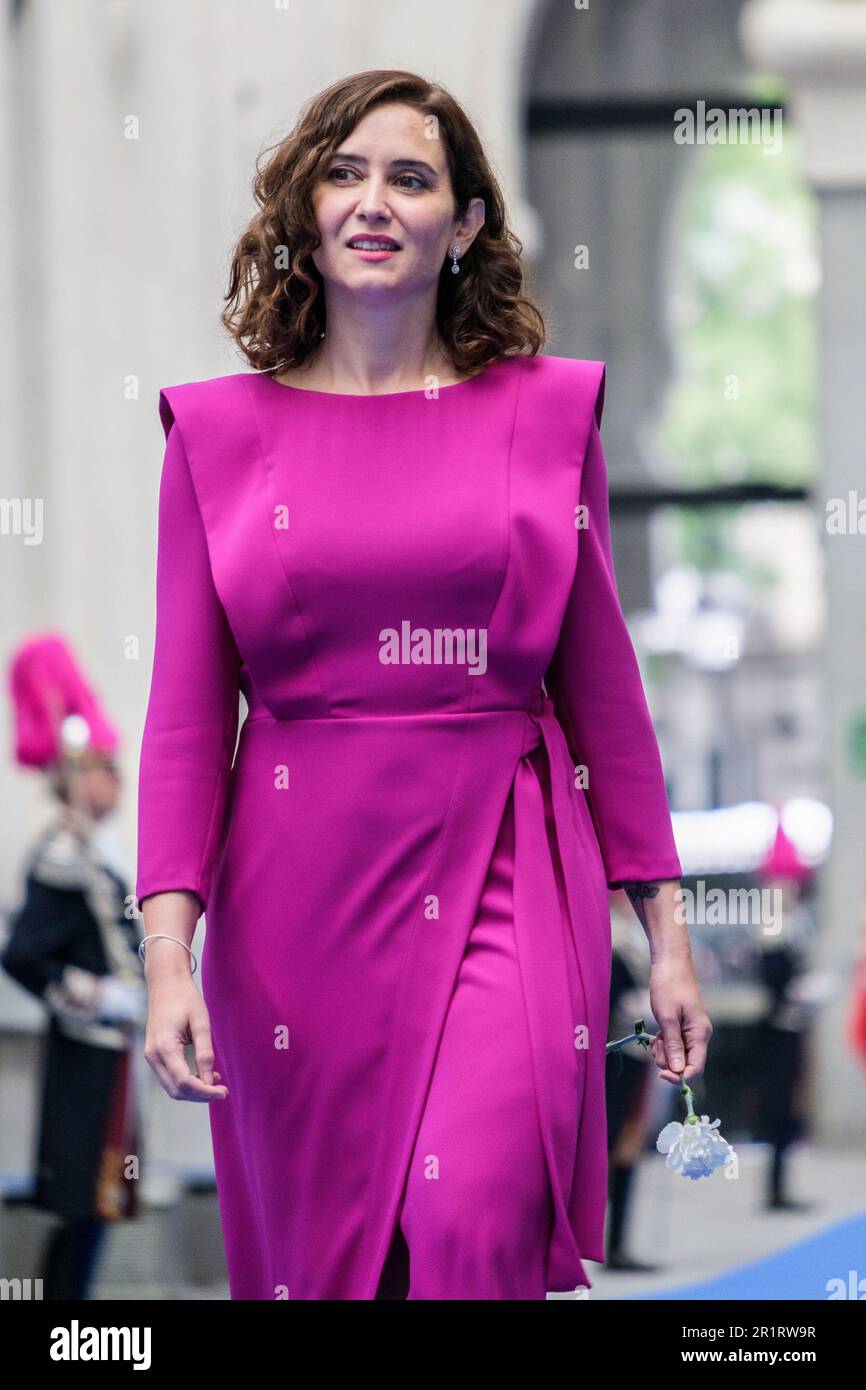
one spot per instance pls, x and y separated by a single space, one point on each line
471 222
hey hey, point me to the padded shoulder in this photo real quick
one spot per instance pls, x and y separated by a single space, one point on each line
560 398
578 380
191 403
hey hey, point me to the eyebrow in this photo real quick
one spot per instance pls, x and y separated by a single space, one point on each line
394 164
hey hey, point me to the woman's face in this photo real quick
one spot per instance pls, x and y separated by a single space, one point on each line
388 179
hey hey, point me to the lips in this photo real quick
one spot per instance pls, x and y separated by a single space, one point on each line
375 243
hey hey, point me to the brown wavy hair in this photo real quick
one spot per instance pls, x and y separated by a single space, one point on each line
275 299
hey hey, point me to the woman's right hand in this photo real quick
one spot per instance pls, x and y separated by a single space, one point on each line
177 1015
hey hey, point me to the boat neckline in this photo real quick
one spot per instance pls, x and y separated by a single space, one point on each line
378 395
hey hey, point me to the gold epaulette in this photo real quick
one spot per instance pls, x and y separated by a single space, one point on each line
60 861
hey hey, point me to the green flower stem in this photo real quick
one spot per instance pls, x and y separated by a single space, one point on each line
640 1035
689 1097
643 1038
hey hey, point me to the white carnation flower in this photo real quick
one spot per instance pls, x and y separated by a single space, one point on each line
694 1149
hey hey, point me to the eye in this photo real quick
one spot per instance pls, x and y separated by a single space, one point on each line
419 181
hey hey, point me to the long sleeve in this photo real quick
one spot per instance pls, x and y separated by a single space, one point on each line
595 684
192 716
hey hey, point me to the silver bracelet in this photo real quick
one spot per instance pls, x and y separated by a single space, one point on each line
152 936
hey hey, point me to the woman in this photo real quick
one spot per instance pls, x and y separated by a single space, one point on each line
374 537
72 945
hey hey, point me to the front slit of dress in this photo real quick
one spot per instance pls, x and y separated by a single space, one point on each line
476 1210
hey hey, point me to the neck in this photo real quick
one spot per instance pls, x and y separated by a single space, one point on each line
371 348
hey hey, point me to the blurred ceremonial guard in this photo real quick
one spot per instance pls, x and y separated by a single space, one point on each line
856 1027
628 1080
793 994
72 945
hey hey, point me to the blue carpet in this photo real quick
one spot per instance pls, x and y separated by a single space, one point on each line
806 1270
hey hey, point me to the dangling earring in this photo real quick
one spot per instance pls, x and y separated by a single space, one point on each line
455 252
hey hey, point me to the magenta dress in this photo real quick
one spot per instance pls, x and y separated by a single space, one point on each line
446 762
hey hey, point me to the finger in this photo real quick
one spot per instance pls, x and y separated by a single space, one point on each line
697 1032
661 1061
697 1060
192 1087
204 1058
157 1066
185 1084
195 1089
665 1074
675 1049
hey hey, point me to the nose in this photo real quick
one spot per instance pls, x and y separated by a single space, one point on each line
372 203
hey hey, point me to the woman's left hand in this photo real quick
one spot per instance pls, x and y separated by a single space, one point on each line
679 1049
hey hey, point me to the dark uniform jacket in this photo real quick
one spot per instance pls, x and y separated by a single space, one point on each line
72 925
